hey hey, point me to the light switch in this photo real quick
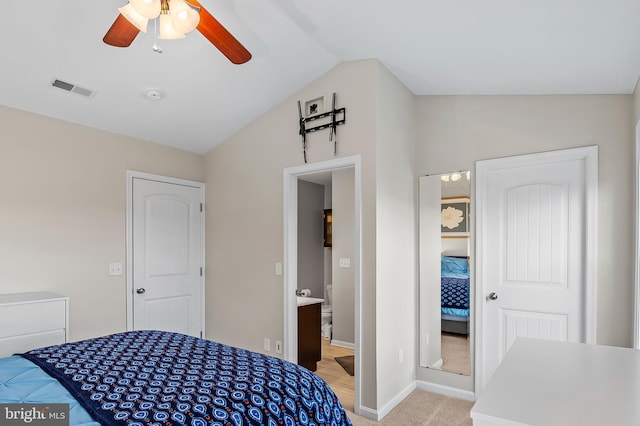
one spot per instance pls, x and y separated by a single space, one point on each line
345 262
278 268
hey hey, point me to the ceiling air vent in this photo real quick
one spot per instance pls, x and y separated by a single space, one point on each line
72 88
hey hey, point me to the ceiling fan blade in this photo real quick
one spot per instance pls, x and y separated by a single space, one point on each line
121 33
220 37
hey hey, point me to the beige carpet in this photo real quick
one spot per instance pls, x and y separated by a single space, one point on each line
455 353
425 409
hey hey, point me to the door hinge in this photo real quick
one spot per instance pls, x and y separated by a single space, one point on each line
201 271
201 334
201 207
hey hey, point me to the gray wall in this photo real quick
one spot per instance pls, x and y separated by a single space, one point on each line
311 238
396 236
63 211
636 104
343 247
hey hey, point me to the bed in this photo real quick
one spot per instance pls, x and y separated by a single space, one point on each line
454 287
158 378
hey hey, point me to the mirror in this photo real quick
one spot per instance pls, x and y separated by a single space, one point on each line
445 248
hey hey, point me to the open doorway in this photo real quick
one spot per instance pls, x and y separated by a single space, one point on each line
292 176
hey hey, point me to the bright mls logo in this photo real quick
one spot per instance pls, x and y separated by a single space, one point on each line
34 414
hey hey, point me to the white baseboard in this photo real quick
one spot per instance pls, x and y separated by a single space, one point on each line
368 413
445 390
378 415
343 344
386 409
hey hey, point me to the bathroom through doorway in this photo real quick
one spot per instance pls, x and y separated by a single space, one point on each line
349 294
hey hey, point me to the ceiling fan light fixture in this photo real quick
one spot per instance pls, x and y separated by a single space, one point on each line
185 17
133 16
130 22
167 31
150 9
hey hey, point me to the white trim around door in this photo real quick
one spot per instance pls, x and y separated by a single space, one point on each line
291 176
131 175
636 305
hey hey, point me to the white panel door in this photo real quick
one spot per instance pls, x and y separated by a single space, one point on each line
533 231
167 257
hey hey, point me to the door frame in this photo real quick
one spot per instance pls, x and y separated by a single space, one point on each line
636 305
290 277
131 175
590 156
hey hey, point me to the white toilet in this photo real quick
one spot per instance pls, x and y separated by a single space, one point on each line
327 313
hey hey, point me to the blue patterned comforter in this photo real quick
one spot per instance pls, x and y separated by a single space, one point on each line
454 293
454 286
158 378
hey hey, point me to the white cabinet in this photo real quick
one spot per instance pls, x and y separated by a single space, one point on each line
551 383
32 320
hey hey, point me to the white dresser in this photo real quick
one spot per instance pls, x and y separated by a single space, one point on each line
546 383
32 320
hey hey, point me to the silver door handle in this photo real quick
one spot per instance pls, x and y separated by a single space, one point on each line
492 296
140 291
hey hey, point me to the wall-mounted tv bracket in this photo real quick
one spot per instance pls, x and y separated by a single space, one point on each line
334 122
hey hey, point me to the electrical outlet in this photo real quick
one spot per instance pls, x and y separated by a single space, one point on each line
267 345
278 347
115 269
400 356
344 262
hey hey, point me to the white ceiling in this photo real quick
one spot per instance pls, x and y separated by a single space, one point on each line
441 47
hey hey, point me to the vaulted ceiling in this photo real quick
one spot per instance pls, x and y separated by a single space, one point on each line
435 47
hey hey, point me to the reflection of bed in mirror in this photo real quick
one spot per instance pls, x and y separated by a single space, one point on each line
454 277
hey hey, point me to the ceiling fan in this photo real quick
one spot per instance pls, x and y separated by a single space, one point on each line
176 17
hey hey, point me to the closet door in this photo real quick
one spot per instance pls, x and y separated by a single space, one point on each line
167 257
536 222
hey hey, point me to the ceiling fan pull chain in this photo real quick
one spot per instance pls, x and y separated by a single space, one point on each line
155 46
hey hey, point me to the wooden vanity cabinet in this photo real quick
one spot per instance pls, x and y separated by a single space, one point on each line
309 338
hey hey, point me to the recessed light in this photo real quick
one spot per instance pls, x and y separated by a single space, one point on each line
153 94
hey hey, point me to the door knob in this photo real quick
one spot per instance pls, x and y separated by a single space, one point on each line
492 296
140 290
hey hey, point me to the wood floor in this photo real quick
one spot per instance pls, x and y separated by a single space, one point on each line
332 373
